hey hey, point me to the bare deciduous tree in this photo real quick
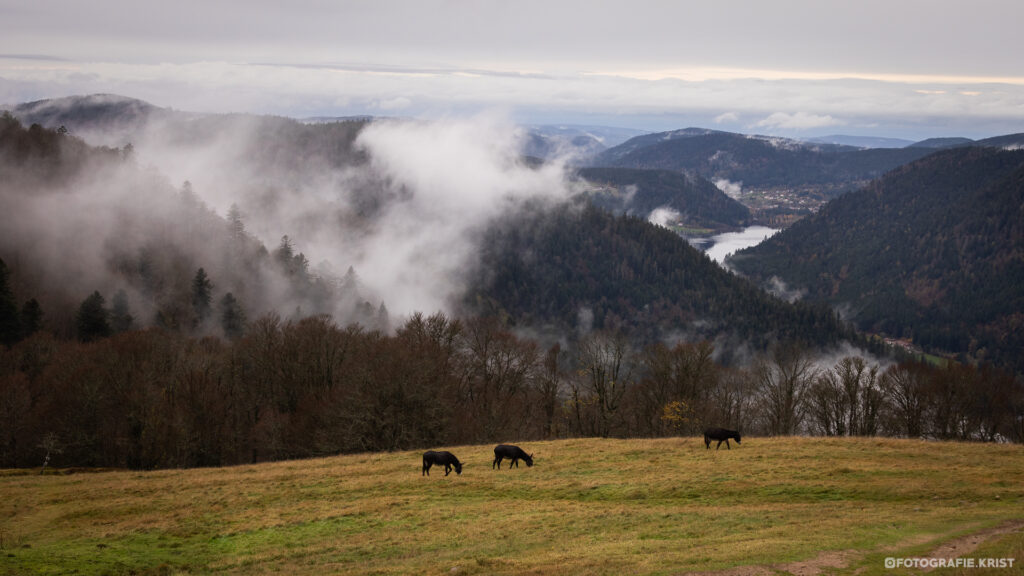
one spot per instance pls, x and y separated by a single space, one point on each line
605 374
783 380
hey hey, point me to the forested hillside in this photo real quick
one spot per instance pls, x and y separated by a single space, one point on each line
568 265
697 202
933 252
89 224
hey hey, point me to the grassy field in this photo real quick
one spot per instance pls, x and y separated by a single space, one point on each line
588 506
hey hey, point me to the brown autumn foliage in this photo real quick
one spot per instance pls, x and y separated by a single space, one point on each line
304 388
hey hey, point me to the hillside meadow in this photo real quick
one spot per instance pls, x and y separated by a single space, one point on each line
589 506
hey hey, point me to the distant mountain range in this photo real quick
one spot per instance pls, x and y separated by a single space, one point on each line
757 161
767 162
608 136
933 252
938 143
113 120
861 141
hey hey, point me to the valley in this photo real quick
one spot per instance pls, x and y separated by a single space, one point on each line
320 247
261 264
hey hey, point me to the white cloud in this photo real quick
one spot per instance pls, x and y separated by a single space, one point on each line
731 189
663 216
798 121
778 287
884 108
397 103
729 242
728 117
453 177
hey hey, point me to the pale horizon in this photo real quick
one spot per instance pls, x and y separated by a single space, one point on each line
795 68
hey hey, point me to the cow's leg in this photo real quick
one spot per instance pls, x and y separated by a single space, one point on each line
719 445
707 443
426 468
447 469
727 444
497 462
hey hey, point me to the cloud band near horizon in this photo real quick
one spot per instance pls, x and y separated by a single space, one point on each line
784 106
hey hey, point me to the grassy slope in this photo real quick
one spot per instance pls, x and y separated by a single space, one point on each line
588 506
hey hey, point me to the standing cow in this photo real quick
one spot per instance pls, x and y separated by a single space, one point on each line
446 459
722 435
514 453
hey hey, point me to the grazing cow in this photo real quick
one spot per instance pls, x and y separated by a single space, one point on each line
720 434
446 459
514 453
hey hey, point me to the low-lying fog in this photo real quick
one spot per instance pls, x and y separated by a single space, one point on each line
720 246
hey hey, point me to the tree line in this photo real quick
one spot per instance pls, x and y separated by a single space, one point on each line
308 387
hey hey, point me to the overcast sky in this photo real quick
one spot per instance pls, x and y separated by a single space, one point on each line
897 68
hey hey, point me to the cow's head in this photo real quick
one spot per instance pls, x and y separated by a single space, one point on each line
458 467
528 460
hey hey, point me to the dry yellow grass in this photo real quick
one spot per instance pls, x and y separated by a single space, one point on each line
588 506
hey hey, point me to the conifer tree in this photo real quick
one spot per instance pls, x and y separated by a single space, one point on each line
235 225
92 319
202 290
10 323
232 317
31 318
284 252
121 319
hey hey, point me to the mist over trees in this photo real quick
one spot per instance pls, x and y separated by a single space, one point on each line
141 329
89 221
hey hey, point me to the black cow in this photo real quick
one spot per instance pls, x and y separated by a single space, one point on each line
514 453
446 459
720 434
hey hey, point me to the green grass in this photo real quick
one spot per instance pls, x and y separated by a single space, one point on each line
691 230
589 506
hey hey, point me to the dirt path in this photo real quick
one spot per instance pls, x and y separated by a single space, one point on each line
967 544
841 559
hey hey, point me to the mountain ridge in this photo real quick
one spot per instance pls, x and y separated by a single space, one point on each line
758 161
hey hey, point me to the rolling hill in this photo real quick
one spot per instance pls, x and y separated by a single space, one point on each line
939 143
757 161
861 141
588 506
